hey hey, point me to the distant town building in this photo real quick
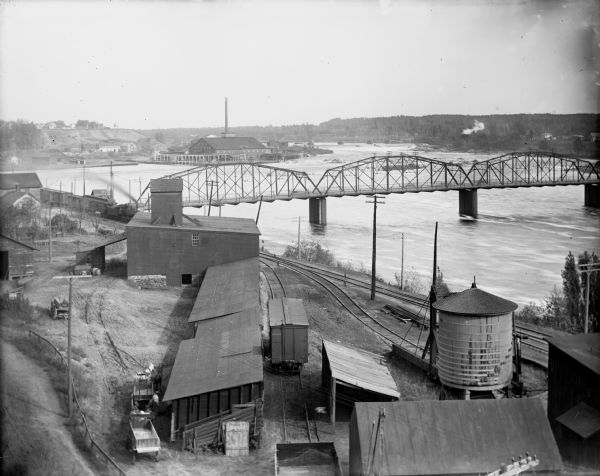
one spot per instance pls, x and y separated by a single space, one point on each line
20 182
107 148
129 148
247 147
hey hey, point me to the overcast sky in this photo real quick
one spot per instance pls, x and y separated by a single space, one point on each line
159 64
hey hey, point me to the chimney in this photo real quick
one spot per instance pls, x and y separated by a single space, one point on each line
225 117
166 202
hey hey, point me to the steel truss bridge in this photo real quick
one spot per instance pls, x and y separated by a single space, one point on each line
234 183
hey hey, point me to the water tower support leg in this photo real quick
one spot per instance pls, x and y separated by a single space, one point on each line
592 195
467 202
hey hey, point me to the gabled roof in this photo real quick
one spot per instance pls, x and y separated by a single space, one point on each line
287 311
10 198
230 143
475 302
4 237
9 181
244 226
225 353
463 437
227 288
360 368
584 348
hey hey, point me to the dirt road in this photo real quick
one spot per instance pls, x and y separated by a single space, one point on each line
35 439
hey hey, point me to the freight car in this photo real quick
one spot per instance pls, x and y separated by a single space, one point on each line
121 212
289 333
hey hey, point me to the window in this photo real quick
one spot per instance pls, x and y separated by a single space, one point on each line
195 239
186 279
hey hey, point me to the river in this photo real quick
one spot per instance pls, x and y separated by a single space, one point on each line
516 248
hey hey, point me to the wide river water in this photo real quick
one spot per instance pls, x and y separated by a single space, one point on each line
516 248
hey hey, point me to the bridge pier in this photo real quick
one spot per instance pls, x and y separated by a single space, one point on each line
317 211
592 195
467 202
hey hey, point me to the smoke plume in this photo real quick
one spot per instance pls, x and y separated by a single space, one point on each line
477 126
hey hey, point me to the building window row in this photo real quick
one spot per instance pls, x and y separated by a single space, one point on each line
195 239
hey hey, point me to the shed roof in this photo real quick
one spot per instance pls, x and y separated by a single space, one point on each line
227 288
166 185
244 226
226 353
475 302
9 181
4 239
457 436
360 368
584 348
111 241
231 143
287 311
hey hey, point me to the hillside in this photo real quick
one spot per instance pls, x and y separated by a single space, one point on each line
63 139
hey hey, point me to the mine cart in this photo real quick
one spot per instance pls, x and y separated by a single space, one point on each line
143 391
59 308
142 435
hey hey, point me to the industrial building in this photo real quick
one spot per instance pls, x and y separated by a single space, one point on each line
165 242
16 259
574 397
349 374
245 148
474 341
220 367
450 437
226 289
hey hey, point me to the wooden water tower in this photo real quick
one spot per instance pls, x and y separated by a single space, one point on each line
474 340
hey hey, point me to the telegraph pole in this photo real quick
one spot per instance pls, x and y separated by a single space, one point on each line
587 268
402 266
377 199
69 377
210 197
50 229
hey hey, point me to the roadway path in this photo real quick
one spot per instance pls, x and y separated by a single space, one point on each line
34 435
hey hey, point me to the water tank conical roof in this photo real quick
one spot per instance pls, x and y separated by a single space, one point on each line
475 302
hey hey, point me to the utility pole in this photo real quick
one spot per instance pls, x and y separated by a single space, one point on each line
298 238
69 377
377 199
84 178
210 196
50 229
402 266
588 269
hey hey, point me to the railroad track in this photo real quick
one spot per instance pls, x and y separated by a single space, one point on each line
295 419
269 270
343 298
530 338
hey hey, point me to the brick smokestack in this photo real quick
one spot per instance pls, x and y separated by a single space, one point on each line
166 202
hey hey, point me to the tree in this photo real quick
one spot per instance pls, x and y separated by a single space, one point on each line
572 292
594 304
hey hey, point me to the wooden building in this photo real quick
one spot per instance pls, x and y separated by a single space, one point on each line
244 148
16 259
96 257
20 182
220 367
349 374
450 437
574 397
167 243
227 289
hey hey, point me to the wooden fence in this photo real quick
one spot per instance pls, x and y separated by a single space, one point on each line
208 431
110 464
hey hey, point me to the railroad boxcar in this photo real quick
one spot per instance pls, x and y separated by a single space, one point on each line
288 332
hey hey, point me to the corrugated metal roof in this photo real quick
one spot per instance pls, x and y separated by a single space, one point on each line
244 226
287 311
24 180
584 348
474 301
225 353
360 368
582 419
231 143
457 436
166 185
227 288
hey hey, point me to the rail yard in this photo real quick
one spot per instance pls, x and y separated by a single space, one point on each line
252 363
